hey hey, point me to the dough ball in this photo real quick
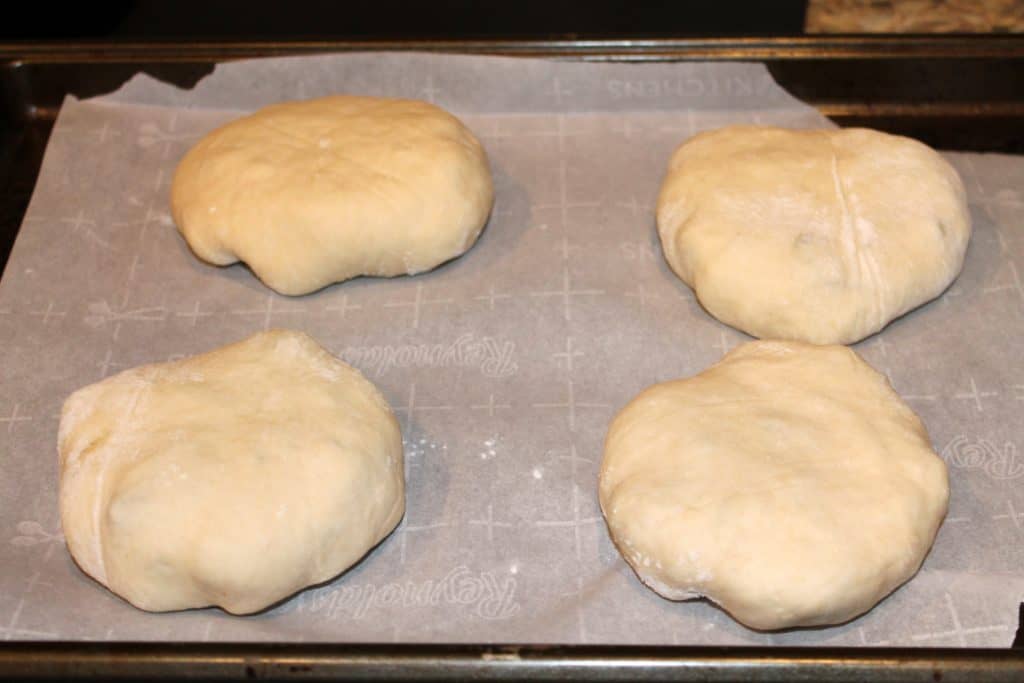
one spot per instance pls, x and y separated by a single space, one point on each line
788 483
234 478
315 192
818 235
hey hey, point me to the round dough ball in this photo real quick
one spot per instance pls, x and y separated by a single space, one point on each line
818 235
788 483
234 478
315 192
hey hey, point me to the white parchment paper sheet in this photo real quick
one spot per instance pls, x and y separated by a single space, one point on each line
504 366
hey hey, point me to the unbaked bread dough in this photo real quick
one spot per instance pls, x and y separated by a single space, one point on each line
788 483
234 478
319 191
818 235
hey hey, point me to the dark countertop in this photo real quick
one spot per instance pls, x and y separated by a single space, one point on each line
396 20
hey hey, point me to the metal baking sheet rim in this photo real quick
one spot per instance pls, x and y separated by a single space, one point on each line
32 660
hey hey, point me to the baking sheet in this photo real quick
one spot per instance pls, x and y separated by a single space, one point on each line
504 366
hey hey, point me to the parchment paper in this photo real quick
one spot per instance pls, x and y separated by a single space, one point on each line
504 366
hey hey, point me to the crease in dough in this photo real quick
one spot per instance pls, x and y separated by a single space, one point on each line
823 236
233 478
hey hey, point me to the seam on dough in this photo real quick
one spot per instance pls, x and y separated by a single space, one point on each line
103 470
863 266
344 158
283 132
847 236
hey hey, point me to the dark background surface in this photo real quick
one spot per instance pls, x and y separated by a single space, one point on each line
393 19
